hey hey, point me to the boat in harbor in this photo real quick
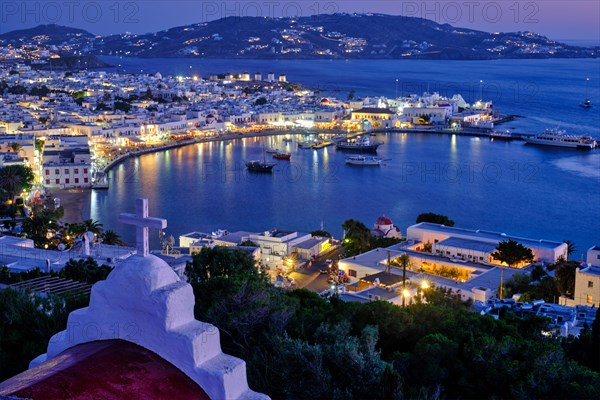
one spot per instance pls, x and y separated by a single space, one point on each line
362 143
259 166
587 103
306 145
559 138
280 155
271 150
321 144
363 160
504 135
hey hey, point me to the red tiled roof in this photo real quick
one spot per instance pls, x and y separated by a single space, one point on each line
110 370
383 220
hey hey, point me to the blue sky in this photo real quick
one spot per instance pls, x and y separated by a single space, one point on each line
570 20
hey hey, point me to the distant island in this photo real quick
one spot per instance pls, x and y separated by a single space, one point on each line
333 36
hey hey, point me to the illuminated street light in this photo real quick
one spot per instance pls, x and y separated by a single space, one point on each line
424 284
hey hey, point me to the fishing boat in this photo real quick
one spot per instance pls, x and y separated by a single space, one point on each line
559 138
362 144
363 160
504 135
259 166
280 155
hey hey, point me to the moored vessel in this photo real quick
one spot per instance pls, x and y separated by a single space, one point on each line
363 160
362 144
259 166
280 155
559 138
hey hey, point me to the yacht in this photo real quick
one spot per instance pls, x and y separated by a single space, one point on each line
587 103
363 160
259 166
559 138
362 143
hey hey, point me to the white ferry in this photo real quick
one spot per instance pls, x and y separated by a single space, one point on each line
559 138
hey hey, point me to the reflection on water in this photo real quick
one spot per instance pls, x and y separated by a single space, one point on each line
507 186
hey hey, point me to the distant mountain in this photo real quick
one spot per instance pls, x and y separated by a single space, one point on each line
52 35
336 36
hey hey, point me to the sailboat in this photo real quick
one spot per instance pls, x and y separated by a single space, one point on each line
587 102
260 166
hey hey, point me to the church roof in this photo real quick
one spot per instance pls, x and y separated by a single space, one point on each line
383 220
110 369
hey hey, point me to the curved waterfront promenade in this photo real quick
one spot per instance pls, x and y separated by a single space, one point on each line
136 153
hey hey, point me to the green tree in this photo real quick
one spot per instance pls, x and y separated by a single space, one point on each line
216 262
320 233
571 248
112 238
357 239
86 271
564 273
512 252
260 101
435 219
15 179
122 106
26 324
93 226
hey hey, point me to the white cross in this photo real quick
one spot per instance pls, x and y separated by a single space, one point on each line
142 223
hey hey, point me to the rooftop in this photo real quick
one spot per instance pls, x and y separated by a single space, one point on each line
467 244
486 235
111 369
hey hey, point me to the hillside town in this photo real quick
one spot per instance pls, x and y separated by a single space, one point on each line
69 126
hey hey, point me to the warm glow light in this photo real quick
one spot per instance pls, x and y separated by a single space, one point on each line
405 293
424 285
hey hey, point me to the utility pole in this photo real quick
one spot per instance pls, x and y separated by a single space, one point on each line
501 281
403 280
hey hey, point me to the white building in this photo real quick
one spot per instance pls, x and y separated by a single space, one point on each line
476 243
68 165
384 227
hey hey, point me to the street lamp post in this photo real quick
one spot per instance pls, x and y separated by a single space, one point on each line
481 90
396 89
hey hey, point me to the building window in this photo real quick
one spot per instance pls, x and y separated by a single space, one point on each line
85 170
589 299
590 284
76 170
67 180
352 273
66 170
57 171
85 180
47 181
58 181
76 180
47 172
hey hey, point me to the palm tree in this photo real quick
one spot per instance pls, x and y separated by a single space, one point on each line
93 226
16 147
570 247
112 237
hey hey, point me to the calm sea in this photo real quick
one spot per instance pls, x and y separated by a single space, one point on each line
510 187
